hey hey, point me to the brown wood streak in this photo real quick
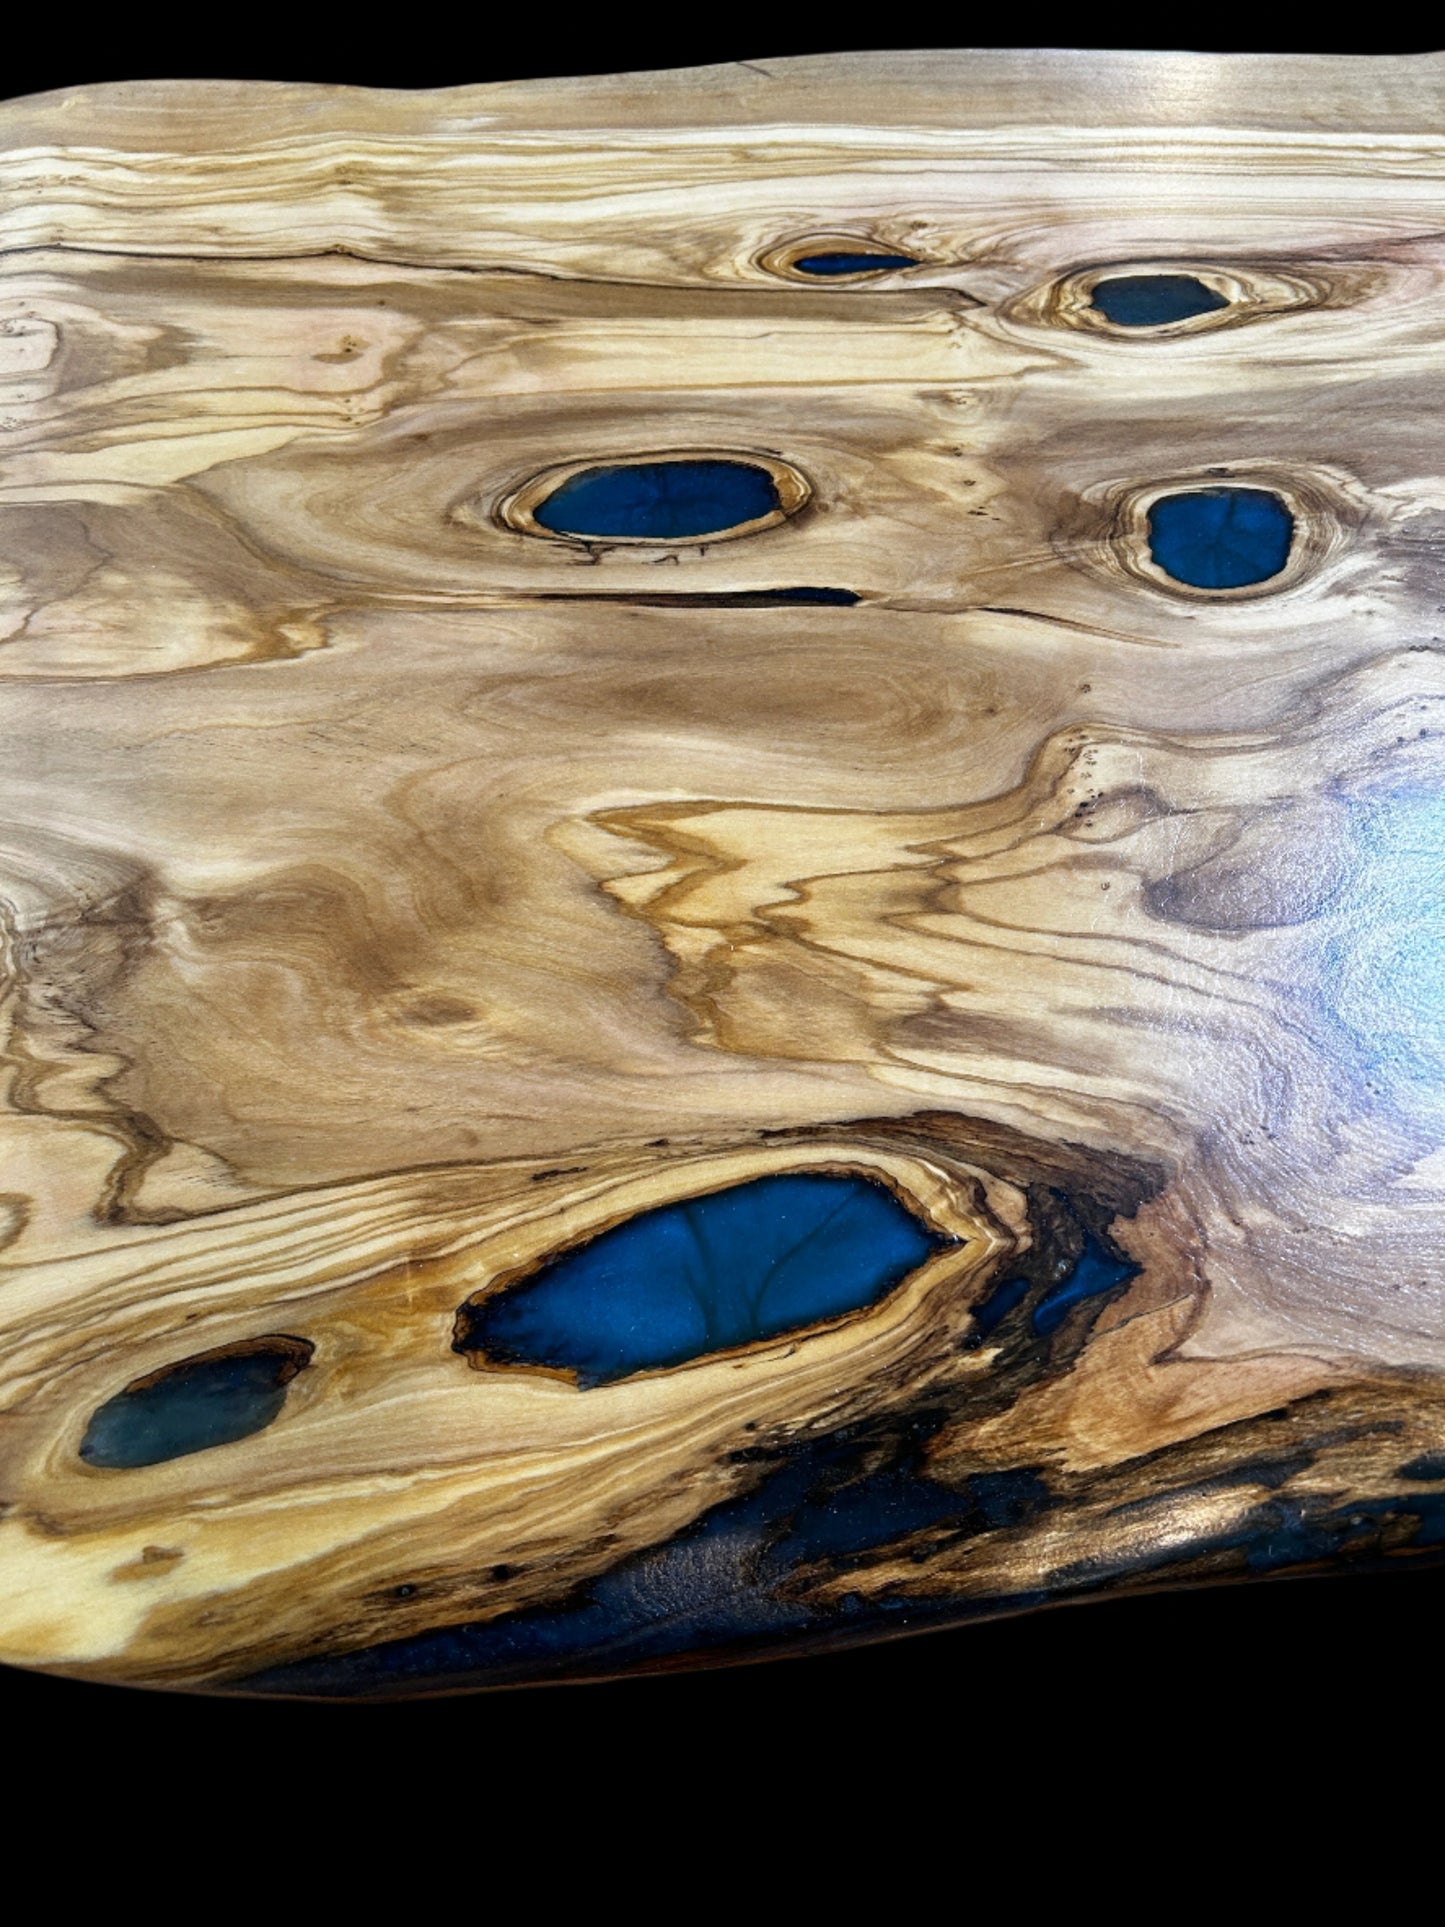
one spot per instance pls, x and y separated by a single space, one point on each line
392 896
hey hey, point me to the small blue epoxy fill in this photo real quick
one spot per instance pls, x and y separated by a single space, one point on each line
1153 300
663 501
1220 538
706 1274
844 263
1095 1272
199 1403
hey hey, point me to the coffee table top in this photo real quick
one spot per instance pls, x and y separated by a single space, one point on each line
722 857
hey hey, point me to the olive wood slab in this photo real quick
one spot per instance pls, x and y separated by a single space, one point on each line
984 991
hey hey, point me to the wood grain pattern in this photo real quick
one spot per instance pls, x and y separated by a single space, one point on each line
396 894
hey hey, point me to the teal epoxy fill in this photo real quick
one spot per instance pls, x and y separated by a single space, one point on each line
199 1403
704 1275
1153 300
664 501
1220 538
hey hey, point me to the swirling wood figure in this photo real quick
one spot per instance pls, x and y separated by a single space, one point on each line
723 832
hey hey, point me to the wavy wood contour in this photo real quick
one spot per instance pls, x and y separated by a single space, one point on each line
394 894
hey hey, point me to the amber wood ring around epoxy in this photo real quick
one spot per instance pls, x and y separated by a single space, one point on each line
1250 293
951 1281
782 259
1115 536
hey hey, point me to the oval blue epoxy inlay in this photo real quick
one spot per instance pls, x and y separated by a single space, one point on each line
1153 300
213 1399
706 1274
843 263
663 501
1220 538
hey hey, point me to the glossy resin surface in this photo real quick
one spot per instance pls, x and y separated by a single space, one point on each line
716 1273
666 501
721 908
1155 300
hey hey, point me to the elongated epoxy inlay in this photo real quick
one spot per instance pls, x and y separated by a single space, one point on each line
707 1274
1220 538
837 261
662 501
1154 300
214 1398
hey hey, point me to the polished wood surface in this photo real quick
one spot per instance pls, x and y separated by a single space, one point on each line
398 893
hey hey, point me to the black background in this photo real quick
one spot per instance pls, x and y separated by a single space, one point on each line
1040 1699
430 49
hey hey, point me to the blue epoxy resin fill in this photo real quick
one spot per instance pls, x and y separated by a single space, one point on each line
704 1275
198 1403
1153 300
1220 538
665 501
842 263
1094 1273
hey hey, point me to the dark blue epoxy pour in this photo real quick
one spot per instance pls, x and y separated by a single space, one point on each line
665 501
842 263
728 1585
1095 1272
1006 1296
1153 300
773 1255
201 1402
1220 538
725 1585
720 1583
